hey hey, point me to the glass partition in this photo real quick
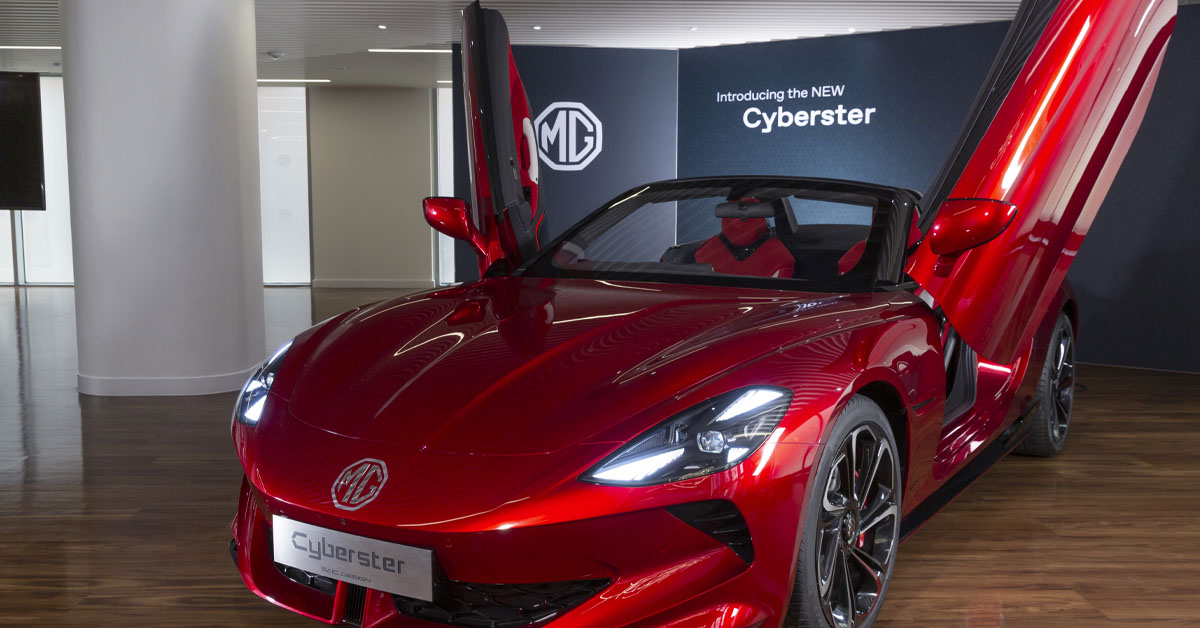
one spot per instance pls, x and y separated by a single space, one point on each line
46 236
6 252
283 177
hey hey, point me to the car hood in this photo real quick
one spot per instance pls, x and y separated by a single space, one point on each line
520 366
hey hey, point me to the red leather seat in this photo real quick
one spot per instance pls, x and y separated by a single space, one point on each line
747 247
852 256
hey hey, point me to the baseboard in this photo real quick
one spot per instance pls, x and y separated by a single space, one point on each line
372 283
163 386
1139 368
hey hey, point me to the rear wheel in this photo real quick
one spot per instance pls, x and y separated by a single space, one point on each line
850 534
1056 395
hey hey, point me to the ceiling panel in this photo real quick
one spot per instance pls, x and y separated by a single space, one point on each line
328 39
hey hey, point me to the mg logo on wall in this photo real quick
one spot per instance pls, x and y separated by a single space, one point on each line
359 484
569 136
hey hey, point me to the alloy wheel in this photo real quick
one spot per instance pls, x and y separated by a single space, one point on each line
859 527
1063 379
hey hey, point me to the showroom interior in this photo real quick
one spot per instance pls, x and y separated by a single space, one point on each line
218 176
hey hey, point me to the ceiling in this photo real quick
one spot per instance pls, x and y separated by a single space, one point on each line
328 39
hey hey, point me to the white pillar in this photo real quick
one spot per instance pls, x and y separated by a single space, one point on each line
162 137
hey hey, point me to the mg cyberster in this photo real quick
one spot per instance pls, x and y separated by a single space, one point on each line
717 402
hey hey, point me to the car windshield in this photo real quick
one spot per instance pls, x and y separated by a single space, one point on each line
802 234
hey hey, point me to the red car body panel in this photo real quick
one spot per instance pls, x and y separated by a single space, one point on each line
488 401
531 520
1051 151
604 349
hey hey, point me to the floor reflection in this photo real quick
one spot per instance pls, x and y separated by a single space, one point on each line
115 511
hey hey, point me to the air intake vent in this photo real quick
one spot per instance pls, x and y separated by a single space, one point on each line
499 605
356 601
720 520
310 580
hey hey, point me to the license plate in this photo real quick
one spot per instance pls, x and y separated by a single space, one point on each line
379 565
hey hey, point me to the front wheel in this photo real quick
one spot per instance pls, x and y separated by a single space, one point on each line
1051 420
850 534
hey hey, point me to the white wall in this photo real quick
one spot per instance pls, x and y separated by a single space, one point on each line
283 179
370 166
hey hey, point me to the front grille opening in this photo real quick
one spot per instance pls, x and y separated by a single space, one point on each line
310 580
722 521
472 605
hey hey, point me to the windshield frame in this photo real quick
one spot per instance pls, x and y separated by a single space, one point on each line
887 239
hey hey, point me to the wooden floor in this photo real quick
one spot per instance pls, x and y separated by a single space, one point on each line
115 512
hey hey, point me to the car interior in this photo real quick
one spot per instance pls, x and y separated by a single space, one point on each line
824 235
765 238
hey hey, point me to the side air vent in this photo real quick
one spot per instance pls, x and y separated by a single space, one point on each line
720 520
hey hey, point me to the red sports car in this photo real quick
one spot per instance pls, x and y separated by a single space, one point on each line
715 402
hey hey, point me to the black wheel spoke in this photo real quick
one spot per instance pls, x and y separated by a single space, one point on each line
825 565
1063 410
851 605
882 511
872 565
870 467
880 454
852 468
834 502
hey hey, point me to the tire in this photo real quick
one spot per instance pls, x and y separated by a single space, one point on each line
1051 420
865 533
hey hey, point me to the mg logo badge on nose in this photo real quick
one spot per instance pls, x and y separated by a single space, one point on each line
359 483
569 135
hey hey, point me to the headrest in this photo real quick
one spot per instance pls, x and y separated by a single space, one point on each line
745 208
744 232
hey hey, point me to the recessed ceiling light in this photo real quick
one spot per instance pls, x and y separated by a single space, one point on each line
695 28
852 29
383 27
413 50
293 80
30 47
447 82
537 28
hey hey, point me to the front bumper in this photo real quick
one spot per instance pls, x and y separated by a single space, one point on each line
645 568
524 520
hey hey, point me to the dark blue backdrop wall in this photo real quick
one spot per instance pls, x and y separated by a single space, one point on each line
919 84
773 108
1135 273
631 93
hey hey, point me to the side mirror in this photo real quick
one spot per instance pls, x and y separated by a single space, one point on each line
449 216
964 224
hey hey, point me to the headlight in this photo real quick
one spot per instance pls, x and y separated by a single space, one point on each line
253 397
707 438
